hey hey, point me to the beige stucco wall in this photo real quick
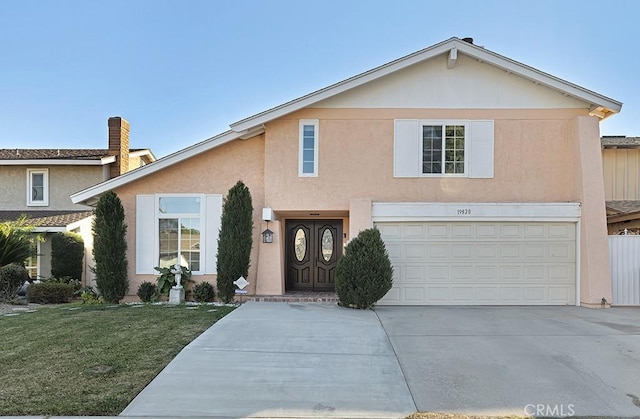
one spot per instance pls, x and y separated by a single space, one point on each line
212 172
595 274
532 162
63 181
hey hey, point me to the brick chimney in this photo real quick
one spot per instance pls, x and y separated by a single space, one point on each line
118 145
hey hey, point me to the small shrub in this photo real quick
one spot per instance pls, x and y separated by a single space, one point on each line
49 293
89 296
364 274
167 279
147 291
67 253
203 292
12 277
77 285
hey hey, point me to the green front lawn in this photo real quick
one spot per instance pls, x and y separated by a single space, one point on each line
90 360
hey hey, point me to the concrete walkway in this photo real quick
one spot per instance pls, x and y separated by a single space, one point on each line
283 360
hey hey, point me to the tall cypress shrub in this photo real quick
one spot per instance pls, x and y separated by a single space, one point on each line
67 252
110 248
364 274
235 240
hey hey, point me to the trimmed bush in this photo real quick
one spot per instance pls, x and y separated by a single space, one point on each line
203 292
67 253
12 277
235 240
49 293
110 248
146 291
364 274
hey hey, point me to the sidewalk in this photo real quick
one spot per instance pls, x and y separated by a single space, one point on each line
283 360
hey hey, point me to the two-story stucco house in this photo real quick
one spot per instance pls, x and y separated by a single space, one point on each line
37 183
484 176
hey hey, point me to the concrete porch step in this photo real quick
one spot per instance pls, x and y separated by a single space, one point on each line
297 297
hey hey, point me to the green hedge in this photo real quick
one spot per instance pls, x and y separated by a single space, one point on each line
67 253
50 293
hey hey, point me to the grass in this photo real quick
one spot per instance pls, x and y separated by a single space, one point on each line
90 360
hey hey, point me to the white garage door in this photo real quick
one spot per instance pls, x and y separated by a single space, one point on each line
483 263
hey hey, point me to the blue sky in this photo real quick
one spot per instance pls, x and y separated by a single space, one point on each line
182 71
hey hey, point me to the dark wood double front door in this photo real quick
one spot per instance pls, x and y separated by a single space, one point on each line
312 253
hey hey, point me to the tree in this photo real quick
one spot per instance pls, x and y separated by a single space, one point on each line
364 274
67 253
235 240
110 248
15 241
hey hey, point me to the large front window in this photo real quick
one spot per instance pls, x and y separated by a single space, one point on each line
443 149
179 231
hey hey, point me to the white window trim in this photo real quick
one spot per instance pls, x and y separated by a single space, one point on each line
316 124
466 123
45 187
201 215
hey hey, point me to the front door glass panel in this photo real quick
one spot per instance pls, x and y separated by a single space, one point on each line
327 245
300 245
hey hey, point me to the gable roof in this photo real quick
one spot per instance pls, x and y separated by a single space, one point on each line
599 105
46 219
96 156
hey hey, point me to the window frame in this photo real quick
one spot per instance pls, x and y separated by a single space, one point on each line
200 216
45 187
302 123
444 123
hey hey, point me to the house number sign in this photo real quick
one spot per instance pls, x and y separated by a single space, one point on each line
464 211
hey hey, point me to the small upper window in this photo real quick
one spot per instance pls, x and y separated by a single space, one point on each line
37 187
443 149
308 148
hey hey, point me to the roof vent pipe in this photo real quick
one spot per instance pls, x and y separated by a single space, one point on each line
468 40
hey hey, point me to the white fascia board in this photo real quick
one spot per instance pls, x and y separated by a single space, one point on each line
87 195
474 51
474 212
541 77
344 85
49 229
144 152
54 162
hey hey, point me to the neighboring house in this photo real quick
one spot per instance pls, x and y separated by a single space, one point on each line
621 164
483 175
37 183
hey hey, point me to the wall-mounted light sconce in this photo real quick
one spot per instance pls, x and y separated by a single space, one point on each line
267 235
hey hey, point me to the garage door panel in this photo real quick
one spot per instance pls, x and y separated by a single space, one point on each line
509 251
487 231
481 263
438 251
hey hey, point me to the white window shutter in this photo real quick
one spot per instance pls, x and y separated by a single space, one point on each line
212 215
406 148
481 149
146 258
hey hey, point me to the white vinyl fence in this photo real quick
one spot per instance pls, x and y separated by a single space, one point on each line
624 252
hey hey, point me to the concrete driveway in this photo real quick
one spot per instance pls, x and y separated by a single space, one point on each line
283 360
544 361
311 360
